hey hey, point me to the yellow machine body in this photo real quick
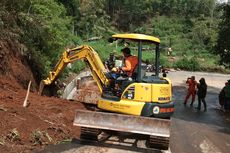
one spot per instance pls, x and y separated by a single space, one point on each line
143 99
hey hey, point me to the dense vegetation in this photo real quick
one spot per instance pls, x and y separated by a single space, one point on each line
223 41
196 30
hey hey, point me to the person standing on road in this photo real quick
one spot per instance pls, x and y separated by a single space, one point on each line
222 97
191 90
226 95
201 93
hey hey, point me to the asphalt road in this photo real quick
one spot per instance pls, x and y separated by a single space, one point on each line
192 131
199 131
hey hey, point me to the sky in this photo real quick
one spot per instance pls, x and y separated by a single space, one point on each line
223 1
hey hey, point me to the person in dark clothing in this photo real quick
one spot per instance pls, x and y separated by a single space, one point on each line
110 63
225 95
222 97
201 93
164 73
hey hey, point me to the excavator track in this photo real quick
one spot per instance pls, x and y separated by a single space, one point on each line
89 133
159 142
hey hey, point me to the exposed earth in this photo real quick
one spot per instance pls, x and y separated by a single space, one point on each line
49 120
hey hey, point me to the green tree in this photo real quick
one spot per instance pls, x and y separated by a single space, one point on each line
223 42
129 14
203 33
46 30
89 17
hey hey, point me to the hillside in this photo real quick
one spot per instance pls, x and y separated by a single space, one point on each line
47 120
35 33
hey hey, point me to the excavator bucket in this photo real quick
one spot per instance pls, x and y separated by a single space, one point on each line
157 129
86 91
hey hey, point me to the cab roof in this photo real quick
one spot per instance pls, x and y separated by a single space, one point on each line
137 37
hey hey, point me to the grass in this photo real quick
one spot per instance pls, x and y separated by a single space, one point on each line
14 135
64 141
2 141
186 56
36 137
40 137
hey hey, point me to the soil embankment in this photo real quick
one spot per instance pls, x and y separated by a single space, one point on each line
47 120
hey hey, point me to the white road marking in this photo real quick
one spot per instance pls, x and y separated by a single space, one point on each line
208 147
167 151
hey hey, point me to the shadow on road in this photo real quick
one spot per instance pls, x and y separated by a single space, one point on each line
212 117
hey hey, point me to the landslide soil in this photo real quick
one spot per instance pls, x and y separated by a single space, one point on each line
47 120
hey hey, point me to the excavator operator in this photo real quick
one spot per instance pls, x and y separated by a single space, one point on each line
130 62
124 72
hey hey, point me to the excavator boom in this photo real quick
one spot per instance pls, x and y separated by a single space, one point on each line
87 54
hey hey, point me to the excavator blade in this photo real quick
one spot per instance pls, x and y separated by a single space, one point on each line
124 123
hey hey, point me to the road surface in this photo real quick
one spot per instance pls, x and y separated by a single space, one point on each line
198 131
192 131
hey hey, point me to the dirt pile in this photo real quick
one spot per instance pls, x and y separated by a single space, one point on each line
47 120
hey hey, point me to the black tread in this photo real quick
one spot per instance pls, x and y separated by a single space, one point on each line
89 133
159 142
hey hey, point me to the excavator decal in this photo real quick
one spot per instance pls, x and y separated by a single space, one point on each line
130 93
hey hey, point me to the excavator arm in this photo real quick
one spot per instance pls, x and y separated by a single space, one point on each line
85 53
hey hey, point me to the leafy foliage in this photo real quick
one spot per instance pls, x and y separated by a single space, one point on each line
46 30
90 18
223 41
188 64
46 27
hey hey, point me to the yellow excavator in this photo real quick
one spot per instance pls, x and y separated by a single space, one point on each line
142 105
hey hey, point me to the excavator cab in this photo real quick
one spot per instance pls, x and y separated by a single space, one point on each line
140 69
140 39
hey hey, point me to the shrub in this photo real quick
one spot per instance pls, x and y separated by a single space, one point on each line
2 141
14 135
187 64
40 137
